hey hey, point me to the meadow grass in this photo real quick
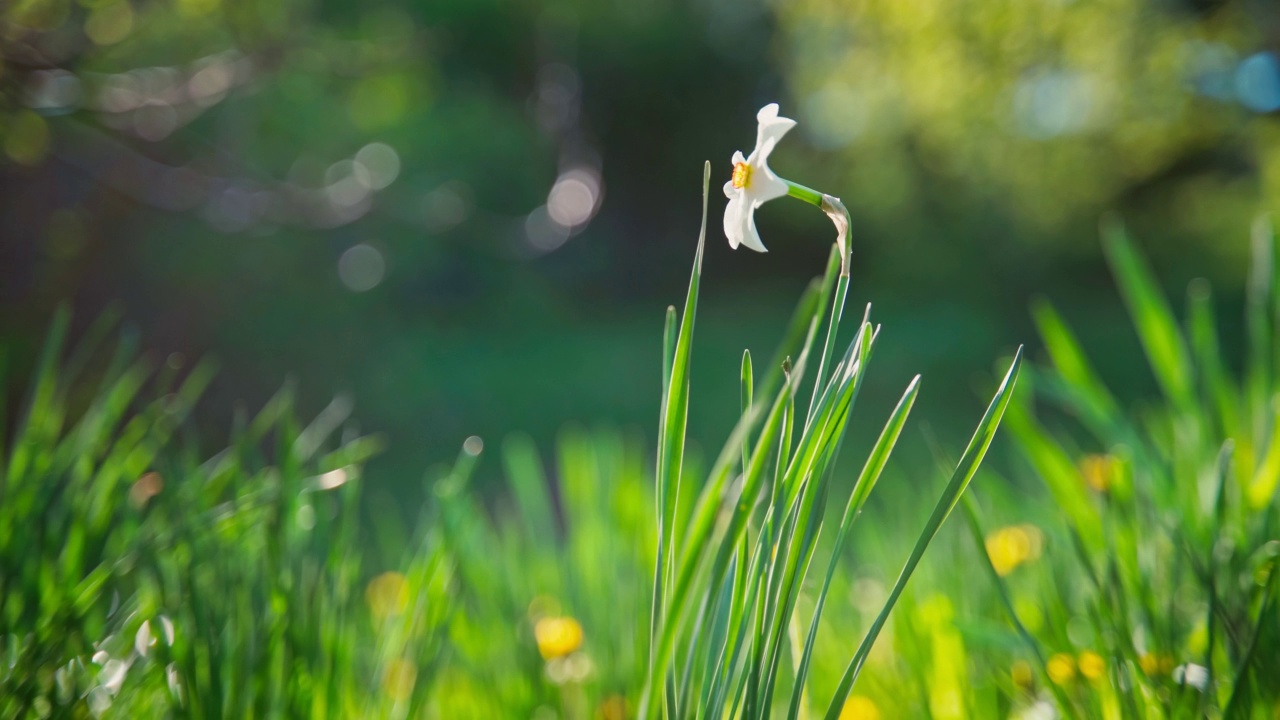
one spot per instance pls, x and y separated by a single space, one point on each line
1130 573
1163 578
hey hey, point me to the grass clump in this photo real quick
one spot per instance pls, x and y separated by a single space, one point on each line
732 565
1160 598
139 580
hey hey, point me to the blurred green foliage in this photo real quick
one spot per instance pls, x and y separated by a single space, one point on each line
465 213
361 193
1018 122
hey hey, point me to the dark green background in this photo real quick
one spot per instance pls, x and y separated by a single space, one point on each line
960 216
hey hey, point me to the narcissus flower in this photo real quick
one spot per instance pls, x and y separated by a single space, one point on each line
753 183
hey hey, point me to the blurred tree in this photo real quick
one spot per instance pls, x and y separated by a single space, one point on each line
402 199
982 120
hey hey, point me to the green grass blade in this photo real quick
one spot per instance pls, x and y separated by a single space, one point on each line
1069 359
748 385
833 329
660 488
675 415
1260 311
1237 706
871 470
1219 397
1152 317
1059 472
529 486
960 480
1002 591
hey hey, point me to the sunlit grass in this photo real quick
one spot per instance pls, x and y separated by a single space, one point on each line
143 578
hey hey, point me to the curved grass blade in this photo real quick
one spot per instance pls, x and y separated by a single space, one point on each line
960 480
1238 705
675 415
1152 317
979 539
876 461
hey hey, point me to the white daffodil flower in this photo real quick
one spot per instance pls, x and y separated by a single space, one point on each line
753 183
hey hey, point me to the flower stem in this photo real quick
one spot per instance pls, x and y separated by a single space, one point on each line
809 195
834 210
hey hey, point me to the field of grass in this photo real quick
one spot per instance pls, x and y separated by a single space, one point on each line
1121 567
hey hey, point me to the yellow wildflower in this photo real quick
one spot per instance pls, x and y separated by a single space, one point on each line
557 636
1091 665
1098 471
1021 674
1062 668
858 707
398 679
613 707
387 595
1012 546
1156 663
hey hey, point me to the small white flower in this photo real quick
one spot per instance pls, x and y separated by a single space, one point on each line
753 183
1197 676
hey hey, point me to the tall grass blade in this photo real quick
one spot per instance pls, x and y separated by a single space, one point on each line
960 479
671 433
1152 317
866 482
1002 591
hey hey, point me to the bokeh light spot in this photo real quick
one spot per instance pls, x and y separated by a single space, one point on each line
445 207
53 91
387 595
306 516
155 120
119 93
378 102
381 162
347 183
835 116
542 232
574 198
47 15
109 24
1258 82
26 138
361 268
1052 103
210 84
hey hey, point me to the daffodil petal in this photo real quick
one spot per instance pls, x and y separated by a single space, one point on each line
765 185
768 133
734 220
751 238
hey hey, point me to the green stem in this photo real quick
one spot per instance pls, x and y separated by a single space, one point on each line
835 210
809 195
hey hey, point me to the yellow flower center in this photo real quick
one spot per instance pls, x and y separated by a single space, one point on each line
741 175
